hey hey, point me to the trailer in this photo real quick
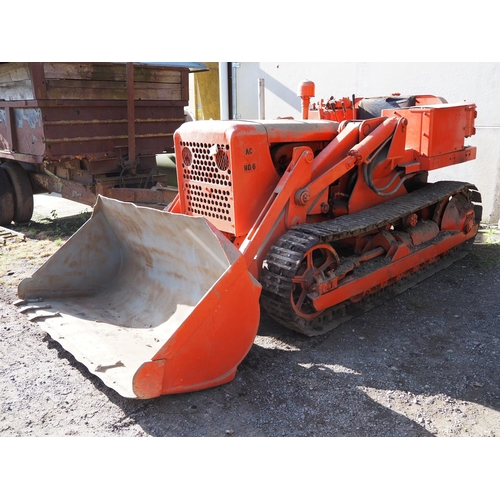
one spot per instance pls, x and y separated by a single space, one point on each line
88 129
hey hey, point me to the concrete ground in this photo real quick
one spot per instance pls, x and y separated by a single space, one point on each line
54 206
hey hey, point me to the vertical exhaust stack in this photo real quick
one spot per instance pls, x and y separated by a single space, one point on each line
148 301
305 92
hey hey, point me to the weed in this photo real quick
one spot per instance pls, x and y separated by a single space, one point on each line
489 235
492 237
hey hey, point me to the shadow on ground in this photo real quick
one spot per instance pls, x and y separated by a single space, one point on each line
439 339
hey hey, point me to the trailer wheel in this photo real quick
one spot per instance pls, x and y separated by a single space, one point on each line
23 192
6 199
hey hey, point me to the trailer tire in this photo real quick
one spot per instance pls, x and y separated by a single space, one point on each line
23 191
6 199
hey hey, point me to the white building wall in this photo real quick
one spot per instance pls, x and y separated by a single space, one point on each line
457 82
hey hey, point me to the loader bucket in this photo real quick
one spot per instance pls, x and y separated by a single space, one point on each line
151 302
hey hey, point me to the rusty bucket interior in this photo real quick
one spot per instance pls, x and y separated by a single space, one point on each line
147 300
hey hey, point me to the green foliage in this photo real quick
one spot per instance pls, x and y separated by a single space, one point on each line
57 229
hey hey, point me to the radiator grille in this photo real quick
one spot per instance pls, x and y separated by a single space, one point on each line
208 182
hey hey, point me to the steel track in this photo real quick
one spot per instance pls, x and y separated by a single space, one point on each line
285 257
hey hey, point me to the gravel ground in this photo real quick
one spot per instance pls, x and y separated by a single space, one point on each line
426 363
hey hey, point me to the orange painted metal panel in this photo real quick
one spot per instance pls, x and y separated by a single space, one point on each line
436 130
225 170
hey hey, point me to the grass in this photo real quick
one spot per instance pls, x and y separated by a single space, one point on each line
19 258
55 227
492 237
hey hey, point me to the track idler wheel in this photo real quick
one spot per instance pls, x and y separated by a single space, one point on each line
6 199
315 266
22 191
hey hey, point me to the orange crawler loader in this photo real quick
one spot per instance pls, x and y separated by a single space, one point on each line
315 220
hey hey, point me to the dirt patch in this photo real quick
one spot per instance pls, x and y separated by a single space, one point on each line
424 364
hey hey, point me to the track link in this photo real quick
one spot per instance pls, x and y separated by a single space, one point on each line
285 257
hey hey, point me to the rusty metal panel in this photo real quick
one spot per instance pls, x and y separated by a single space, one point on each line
81 126
69 189
28 130
101 130
92 130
